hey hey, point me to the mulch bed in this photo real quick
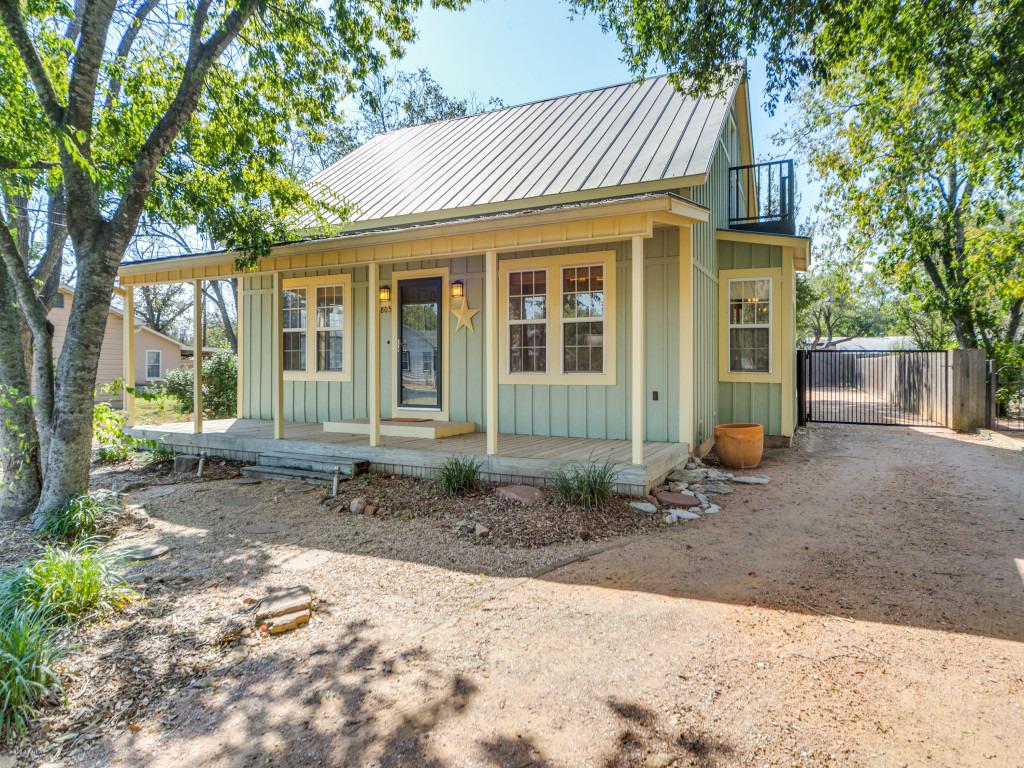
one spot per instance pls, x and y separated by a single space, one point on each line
510 523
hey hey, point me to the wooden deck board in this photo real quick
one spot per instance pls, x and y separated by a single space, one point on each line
528 457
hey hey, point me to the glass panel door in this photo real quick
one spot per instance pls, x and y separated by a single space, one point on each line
419 343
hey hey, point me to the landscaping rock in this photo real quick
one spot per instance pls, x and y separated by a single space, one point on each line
678 487
463 528
670 518
688 476
643 506
716 474
136 485
660 760
185 464
357 506
685 514
247 481
712 509
481 531
283 602
141 552
720 488
287 622
673 499
751 479
524 494
370 510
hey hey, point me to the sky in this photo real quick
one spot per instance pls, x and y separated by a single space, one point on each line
523 50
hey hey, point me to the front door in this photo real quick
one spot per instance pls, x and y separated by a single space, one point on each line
419 343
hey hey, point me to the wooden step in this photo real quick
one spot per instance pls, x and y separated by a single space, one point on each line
284 473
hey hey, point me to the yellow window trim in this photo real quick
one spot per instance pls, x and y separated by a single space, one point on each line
553 265
774 373
446 342
310 284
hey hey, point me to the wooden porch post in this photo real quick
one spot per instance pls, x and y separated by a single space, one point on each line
373 345
491 348
128 373
197 356
277 345
637 343
686 335
240 342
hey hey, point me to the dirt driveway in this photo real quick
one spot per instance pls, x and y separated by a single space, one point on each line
865 608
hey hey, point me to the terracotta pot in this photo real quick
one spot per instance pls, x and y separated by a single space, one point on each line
739 445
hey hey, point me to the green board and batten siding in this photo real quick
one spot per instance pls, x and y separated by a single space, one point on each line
754 402
556 410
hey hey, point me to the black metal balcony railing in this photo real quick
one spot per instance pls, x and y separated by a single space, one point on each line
762 197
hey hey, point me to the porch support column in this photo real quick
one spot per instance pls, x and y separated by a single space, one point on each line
788 332
491 349
373 344
277 358
637 344
240 344
128 373
197 356
686 335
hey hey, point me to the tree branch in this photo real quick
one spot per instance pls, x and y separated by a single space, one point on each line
125 47
10 11
6 164
85 71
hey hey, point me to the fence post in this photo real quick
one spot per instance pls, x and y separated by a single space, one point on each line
967 395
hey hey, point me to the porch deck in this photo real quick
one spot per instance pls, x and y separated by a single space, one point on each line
520 459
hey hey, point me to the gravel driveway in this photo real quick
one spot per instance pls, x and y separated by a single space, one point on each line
865 608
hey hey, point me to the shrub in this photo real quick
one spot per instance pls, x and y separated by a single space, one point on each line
83 517
220 386
66 585
458 476
108 431
585 485
29 651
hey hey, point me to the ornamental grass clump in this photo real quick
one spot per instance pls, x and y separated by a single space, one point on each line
29 650
66 585
83 517
585 485
458 476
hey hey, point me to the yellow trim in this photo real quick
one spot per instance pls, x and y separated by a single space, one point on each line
128 355
412 274
801 245
686 340
277 357
240 353
774 374
612 221
553 265
638 335
788 332
491 349
310 284
197 356
373 350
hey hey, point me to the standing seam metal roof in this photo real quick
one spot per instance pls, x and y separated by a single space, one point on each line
596 140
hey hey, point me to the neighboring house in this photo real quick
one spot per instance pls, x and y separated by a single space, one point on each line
155 353
630 269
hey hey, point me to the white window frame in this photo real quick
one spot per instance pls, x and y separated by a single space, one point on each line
159 364
768 326
563 320
553 265
310 284
546 322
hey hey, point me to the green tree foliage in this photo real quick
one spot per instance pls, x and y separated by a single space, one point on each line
183 109
220 386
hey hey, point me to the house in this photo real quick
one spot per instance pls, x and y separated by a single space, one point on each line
603 276
156 353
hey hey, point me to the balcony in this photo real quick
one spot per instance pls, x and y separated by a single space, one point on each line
762 197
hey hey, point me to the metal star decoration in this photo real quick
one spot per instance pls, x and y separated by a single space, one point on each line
460 308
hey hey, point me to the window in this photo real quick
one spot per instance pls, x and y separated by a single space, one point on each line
330 328
583 319
527 318
750 325
315 330
58 301
154 369
294 327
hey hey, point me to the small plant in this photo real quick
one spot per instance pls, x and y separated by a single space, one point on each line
585 485
66 585
159 453
29 651
458 476
108 430
83 517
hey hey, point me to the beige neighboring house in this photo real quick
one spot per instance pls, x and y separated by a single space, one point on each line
155 353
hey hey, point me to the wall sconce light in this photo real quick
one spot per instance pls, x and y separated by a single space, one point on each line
458 289
384 295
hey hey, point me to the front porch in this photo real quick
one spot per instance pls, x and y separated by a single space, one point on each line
523 459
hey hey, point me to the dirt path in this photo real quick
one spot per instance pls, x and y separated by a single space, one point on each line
865 608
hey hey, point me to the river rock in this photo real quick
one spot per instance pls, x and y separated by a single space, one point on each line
524 494
751 479
643 506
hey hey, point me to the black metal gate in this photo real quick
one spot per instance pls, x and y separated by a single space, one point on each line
897 387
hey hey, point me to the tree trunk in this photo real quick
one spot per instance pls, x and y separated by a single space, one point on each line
225 317
70 445
19 444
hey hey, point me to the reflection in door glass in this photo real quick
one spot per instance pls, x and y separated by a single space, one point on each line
419 329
